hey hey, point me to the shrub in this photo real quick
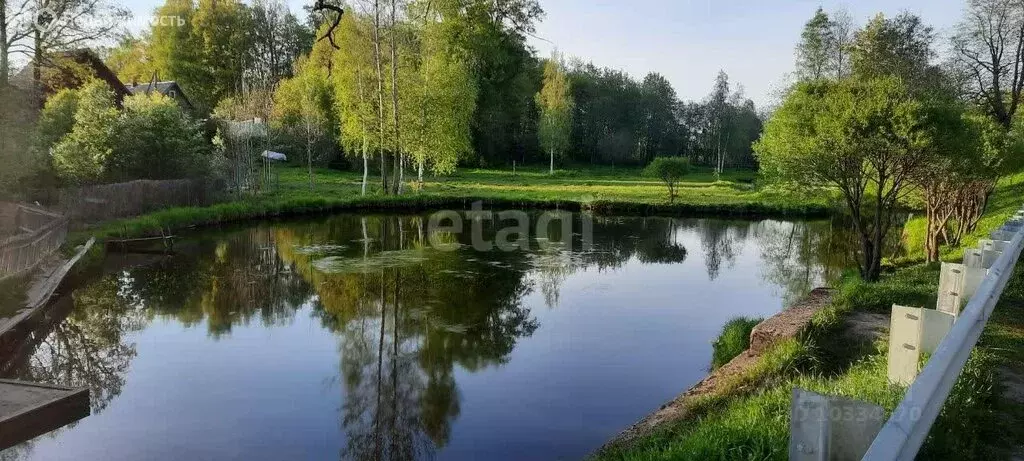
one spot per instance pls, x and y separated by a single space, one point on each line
81 155
670 170
94 142
734 339
154 139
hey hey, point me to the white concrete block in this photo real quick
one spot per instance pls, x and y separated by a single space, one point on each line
825 428
904 344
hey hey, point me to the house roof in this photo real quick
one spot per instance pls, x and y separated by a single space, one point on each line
160 87
63 70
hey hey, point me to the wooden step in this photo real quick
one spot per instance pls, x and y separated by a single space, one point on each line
28 410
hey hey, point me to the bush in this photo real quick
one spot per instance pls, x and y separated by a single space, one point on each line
734 339
565 174
154 139
94 142
81 156
670 170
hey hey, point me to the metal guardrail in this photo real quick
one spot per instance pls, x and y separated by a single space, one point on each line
907 428
41 233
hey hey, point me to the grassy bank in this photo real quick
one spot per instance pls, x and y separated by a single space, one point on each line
602 190
752 422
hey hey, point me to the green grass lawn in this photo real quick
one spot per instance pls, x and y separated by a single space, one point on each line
623 185
607 190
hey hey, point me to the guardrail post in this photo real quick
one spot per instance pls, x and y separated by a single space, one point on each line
979 259
824 428
913 331
992 245
957 283
907 429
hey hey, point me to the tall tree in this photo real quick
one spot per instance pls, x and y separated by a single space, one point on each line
555 103
277 40
441 114
899 46
354 82
220 29
660 133
812 52
396 133
377 61
493 36
989 50
62 25
305 103
841 31
15 27
721 115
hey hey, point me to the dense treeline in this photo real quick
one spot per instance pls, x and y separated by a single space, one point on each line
616 119
399 87
877 116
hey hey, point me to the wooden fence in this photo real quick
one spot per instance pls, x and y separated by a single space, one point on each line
37 233
92 204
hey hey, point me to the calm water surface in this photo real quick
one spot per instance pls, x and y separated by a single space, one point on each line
352 337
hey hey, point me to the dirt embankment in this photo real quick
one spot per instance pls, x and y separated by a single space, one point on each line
786 324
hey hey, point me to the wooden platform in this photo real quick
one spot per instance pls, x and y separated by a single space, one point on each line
39 293
28 410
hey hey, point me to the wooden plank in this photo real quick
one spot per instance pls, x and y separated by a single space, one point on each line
41 291
28 410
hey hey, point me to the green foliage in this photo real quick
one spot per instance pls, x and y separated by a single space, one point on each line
733 340
149 139
670 170
899 47
813 51
57 118
153 139
354 80
209 47
304 109
446 95
82 155
556 107
863 138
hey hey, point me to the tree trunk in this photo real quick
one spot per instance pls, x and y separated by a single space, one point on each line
37 64
399 170
5 66
309 161
380 94
366 162
419 175
551 169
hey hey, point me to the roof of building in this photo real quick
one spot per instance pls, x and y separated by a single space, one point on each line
160 87
61 73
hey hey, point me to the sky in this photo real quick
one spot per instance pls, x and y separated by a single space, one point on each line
689 41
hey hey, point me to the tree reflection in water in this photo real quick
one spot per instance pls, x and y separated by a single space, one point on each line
407 316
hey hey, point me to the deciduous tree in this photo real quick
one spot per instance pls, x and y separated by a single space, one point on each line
866 138
556 105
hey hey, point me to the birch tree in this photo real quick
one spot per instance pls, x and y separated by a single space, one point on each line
812 53
354 79
306 102
556 106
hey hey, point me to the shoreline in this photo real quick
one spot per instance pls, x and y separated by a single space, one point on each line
245 210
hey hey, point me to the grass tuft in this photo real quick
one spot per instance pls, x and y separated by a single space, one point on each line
733 340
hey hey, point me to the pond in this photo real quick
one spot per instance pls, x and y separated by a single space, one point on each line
389 337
